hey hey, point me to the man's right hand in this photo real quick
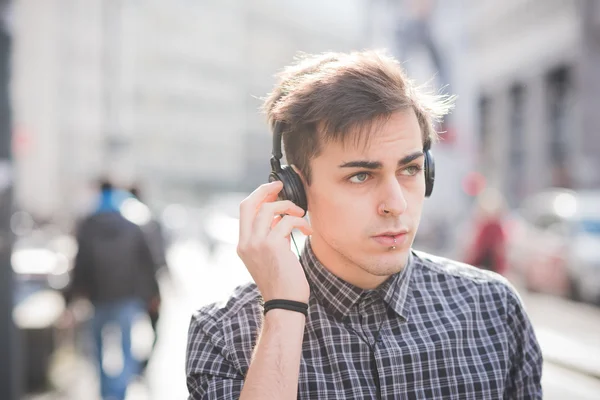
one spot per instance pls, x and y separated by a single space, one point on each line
264 244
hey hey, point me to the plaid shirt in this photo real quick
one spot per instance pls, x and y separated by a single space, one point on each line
437 330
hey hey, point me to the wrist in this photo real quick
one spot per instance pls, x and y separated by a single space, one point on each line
287 318
299 291
288 305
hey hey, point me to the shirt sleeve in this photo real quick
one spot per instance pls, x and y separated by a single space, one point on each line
210 375
524 380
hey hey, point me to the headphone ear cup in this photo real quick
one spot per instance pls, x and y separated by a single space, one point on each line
293 189
429 173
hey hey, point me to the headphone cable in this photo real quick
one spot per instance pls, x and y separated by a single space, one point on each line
295 245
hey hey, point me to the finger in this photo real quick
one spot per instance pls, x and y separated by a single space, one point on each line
287 224
250 205
276 220
264 218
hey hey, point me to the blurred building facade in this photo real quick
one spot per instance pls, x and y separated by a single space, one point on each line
162 92
60 93
168 92
537 84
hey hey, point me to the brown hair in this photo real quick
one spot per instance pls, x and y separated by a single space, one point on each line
334 96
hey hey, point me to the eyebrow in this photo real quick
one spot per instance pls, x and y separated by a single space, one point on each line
378 165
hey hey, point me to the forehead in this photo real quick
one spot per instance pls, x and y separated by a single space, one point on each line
400 133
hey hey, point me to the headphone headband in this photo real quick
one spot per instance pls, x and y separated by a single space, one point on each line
276 153
277 133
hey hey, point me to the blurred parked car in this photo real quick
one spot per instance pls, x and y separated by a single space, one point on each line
40 275
554 243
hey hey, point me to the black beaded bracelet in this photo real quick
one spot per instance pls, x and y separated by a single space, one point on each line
286 305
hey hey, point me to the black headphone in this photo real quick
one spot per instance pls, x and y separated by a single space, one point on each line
293 189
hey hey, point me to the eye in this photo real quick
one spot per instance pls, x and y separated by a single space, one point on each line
412 170
359 178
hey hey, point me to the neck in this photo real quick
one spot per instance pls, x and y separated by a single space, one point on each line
342 267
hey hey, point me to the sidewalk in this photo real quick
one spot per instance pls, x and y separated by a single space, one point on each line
568 332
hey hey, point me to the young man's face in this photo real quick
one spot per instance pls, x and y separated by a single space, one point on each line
362 198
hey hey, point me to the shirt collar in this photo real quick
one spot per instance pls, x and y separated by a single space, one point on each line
340 296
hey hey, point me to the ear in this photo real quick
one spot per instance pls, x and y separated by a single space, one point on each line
299 173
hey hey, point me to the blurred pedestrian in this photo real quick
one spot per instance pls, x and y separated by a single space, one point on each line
488 246
153 233
114 270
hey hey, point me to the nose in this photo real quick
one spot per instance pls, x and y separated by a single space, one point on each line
393 200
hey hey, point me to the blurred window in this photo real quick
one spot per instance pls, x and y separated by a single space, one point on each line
516 143
559 87
485 127
484 120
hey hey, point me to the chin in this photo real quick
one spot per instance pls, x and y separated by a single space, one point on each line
396 257
387 263
385 269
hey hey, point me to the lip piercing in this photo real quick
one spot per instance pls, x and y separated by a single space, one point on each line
393 247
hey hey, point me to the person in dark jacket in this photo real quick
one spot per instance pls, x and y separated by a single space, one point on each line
114 270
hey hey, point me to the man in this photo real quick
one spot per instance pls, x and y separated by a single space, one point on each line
114 270
360 315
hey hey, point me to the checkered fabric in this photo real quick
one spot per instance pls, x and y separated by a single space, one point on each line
437 330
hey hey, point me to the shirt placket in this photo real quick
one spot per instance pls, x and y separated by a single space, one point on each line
371 312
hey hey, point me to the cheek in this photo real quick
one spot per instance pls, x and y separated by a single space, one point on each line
415 208
335 213
416 188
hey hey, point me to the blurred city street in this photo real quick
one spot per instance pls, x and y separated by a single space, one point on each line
147 119
567 331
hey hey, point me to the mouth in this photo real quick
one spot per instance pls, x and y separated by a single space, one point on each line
391 238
